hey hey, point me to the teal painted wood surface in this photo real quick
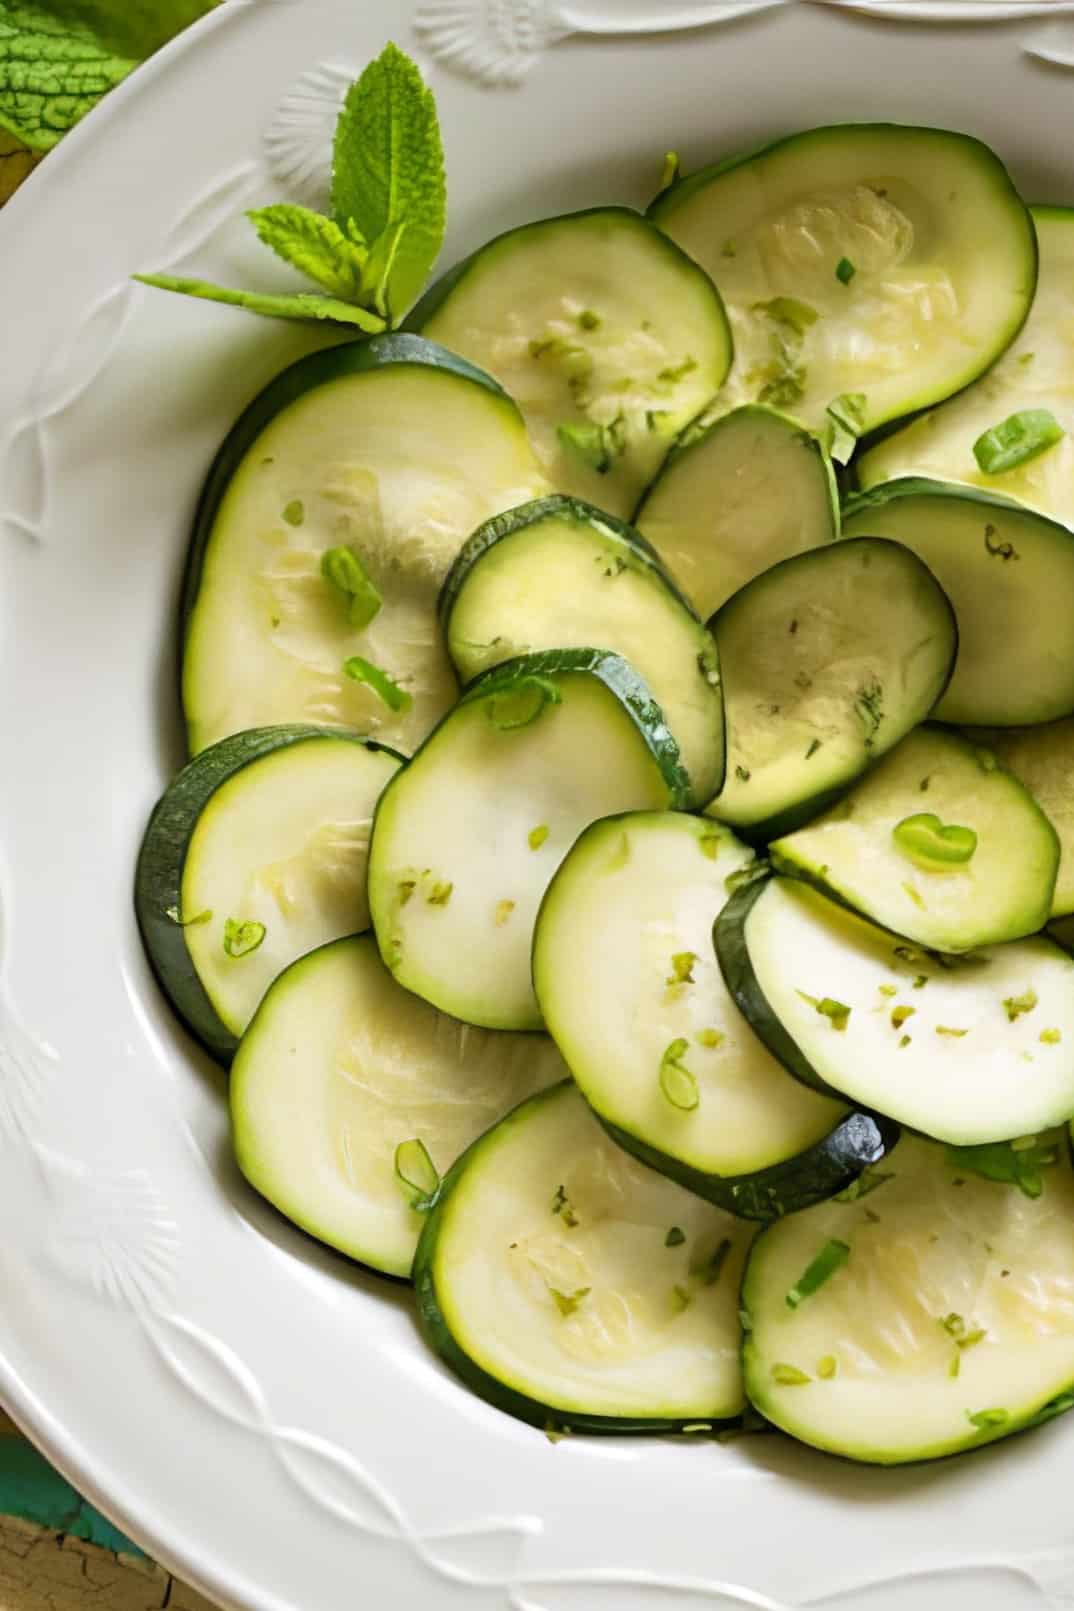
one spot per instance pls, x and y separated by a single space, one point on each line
32 1490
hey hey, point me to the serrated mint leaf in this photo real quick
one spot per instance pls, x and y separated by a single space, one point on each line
382 259
388 170
302 305
315 245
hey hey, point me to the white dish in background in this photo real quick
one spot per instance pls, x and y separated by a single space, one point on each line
260 1414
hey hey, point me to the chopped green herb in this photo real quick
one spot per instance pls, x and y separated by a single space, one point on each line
566 1302
787 310
868 704
672 170
789 1376
709 842
905 1041
537 836
521 702
655 418
814 746
954 1364
888 990
999 550
385 687
870 1180
503 912
924 786
846 415
677 1085
743 774
743 875
932 844
710 1037
845 271
671 376
598 446
675 1237
439 895
1016 440
945 1029
837 1014
1051 1037
342 568
914 895
920 981
682 964
832 1256
407 886
417 1174
588 320
984 1419
188 922
680 1298
953 1324
242 939
295 512
1006 1164
972 1338
827 1367
899 1015
561 1206
712 1271
1015 1006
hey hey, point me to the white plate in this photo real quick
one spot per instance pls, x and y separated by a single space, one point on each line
262 1416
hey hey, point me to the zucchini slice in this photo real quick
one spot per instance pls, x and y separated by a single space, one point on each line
1042 758
392 449
255 855
938 842
1009 574
338 1070
571 1286
607 335
932 1318
467 837
1034 373
968 1050
627 980
828 659
883 265
737 497
559 574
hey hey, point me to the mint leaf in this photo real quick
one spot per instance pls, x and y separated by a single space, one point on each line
16 161
301 305
388 171
314 245
58 57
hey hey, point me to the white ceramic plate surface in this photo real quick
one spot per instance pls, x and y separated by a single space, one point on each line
261 1416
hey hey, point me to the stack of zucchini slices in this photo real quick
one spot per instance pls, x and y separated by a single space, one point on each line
627 838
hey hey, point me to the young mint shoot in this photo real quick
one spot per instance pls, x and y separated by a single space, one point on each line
369 258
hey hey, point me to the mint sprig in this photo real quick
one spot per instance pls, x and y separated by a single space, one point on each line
372 256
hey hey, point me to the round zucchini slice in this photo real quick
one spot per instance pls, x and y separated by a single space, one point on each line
572 1287
606 334
255 855
874 268
938 842
828 660
737 497
1009 574
559 574
631 993
1043 759
930 1319
468 836
965 1049
1033 374
349 1099
329 520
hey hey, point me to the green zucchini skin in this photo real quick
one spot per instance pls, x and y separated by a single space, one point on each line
159 872
439 1336
317 369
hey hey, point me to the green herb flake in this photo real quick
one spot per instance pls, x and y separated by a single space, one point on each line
870 1180
439 895
713 1269
537 836
934 845
984 1420
677 1084
743 875
789 1376
888 990
836 1012
899 1015
597 446
206 917
242 939
709 843
503 912
998 549
743 774
945 1029
417 1174
710 1038
567 1302
920 981
868 704
788 311
562 1207
1050 1037
407 886
295 512
1006 1164
1015 1006
1016 440
954 1364
672 375
386 688
827 1367
832 1256
344 571
904 1042
588 320
814 746
682 965
845 271
675 1237
522 702
680 1298
953 1324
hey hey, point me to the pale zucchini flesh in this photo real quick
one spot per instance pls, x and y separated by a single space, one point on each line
559 574
967 1050
609 338
468 836
1036 372
624 969
397 457
549 1279
827 661
878 850
942 249
948 1325
339 1068
748 491
1009 574
1043 759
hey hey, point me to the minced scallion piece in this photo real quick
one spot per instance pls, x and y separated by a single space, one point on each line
675 1237
1051 1037
1016 440
827 1367
945 1029
242 939
954 1364
984 1419
836 1013
710 1038
385 687
206 917
682 968
295 512
953 1324
567 1302
832 1256
407 886
521 702
342 568
439 895
677 1085
888 990
417 1174
899 1015
931 844
787 310
920 981
789 1376
537 836
561 1206
1015 1006
845 271
503 912
905 1041
598 446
